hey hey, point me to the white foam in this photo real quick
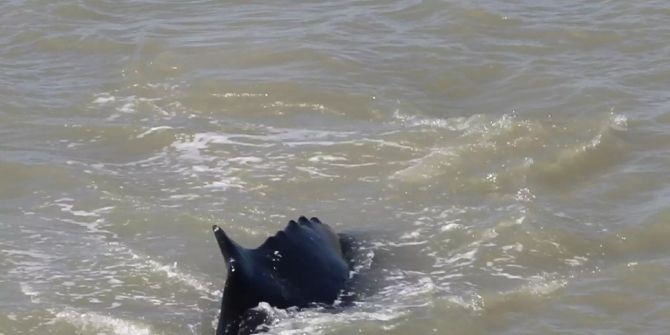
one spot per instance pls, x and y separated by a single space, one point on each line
410 235
189 196
504 274
455 124
173 272
30 292
326 158
518 247
192 148
281 104
69 208
458 260
104 98
314 172
225 184
524 195
102 324
239 95
542 286
153 130
246 160
128 107
475 303
618 122
29 253
576 261
451 226
318 321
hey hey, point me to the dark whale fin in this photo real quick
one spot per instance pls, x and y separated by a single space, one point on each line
297 235
301 265
229 249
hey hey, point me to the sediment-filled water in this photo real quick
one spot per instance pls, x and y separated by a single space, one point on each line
504 164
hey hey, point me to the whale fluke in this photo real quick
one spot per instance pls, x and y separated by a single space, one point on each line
301 265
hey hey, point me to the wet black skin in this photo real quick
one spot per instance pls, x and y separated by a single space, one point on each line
302 265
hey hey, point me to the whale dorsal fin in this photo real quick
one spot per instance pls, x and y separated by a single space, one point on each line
301 265
230 250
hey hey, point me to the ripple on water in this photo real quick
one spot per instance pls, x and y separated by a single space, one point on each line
76 259
526 152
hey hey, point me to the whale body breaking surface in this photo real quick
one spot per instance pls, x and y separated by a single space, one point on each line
301 266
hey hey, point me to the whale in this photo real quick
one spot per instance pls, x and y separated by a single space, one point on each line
303 265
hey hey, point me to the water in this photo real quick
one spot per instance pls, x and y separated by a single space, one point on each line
504 163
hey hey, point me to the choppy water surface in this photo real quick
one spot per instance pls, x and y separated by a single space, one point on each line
505 163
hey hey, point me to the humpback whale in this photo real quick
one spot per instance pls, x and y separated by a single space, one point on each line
301 266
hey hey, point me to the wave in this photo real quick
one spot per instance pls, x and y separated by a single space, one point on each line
505 154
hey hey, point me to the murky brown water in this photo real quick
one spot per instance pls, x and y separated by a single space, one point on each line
505 163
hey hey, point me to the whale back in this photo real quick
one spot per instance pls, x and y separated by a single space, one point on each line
301 265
